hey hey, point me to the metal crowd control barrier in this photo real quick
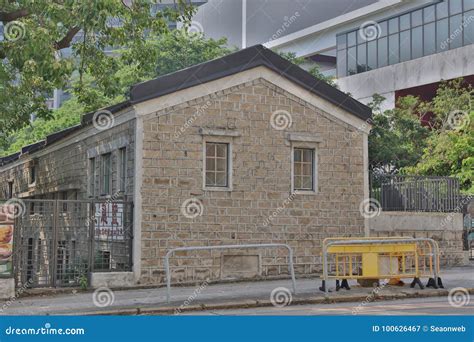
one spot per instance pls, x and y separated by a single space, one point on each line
291 268
377 258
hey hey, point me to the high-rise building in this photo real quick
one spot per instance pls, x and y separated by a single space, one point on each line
393 48
389 47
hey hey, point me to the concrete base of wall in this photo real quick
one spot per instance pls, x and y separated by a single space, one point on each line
7 288
445 228
112 279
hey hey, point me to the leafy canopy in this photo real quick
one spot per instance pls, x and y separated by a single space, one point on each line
399 143
172 51
47 43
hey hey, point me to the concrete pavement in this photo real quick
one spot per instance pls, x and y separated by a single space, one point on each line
405 307
217 296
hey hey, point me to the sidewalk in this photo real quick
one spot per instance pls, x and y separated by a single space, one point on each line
218 296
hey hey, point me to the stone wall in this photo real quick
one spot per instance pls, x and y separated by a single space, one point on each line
67 168
259 207
445 228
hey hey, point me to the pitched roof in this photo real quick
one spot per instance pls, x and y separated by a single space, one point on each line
234 63
239 61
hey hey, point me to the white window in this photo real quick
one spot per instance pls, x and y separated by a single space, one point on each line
304 169
217 165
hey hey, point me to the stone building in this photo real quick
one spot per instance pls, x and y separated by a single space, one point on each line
247 148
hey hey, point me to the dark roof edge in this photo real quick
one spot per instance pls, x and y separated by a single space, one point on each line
218 68
240 61
57 136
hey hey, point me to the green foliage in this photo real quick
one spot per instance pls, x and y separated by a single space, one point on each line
314 70
170 52
449 149
39 31
66 116
83 282
397 138
398 143
173 51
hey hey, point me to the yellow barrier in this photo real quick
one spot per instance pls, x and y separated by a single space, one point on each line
391 258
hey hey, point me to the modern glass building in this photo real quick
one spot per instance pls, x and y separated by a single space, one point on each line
392 47
425 31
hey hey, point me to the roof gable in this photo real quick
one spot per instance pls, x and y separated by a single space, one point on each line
240 61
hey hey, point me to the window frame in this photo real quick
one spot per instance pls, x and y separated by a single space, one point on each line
103 159
229 174
314 150
122 169
92 176
32 175
10 189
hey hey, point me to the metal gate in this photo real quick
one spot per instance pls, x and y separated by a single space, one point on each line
58 243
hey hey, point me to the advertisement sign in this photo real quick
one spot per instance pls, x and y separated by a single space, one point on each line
109 221
6 240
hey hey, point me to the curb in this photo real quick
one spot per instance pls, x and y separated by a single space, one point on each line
247 304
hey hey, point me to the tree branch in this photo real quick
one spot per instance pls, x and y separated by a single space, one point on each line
11 16
67 39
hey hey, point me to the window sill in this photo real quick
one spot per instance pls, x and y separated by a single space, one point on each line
305 192
212 188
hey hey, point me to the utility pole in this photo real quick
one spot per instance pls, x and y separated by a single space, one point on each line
244 24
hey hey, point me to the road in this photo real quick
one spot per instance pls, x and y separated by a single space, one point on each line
414 306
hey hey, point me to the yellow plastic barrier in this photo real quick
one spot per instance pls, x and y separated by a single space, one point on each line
390 258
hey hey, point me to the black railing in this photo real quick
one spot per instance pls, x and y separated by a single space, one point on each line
416 193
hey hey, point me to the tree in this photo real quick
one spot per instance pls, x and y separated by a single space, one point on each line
314 70
399 143
449 149
397 138
38 33
172 51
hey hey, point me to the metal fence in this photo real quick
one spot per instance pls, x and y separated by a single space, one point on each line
291 268
58 243
416 193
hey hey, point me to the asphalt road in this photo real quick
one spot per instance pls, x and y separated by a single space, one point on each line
414 306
